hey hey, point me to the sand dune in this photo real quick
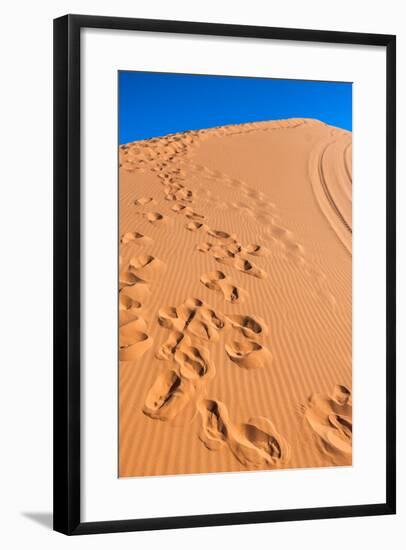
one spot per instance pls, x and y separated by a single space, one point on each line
235 299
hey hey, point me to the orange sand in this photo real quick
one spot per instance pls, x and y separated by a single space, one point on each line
235 299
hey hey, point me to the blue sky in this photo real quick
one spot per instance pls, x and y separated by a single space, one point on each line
157 104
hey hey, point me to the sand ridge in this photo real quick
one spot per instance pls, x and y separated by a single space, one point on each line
235 299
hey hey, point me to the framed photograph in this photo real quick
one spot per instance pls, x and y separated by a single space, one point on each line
224 267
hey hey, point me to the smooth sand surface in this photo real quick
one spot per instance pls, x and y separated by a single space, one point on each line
235 299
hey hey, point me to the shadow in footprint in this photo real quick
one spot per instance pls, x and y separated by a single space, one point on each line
249 268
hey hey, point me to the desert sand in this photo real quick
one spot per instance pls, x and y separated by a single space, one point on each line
235 299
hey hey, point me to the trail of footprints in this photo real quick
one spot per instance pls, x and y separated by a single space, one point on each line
194 326
135 280
257 205
163 156
254 203
234 255
142 271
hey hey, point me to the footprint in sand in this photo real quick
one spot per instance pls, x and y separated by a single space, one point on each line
330 418
254 444
128 278
191 325
170 188
194 362
153 217
134 340
166 177
168 318
233 249
249 326
254 194
168 396
229 254
187 211
248 354
223 253
145 267
215 424
142 201
223 235
244 349
192 215
280 232
168 349
135 237
194 226
204 247
269 446
296 253
131 300
264 218
140 269
249 268
181 382
293 249
178 207
177 193
217 280
193 317
256 250
128 302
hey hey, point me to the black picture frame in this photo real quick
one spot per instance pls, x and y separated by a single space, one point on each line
67 254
